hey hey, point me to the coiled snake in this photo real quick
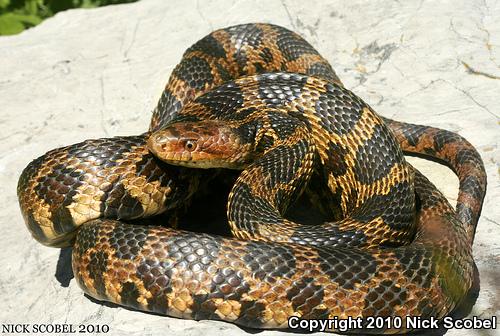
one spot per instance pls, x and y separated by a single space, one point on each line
259 98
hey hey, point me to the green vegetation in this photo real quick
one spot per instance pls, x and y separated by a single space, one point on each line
18 15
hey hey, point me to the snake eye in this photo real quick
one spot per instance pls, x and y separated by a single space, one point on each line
190 145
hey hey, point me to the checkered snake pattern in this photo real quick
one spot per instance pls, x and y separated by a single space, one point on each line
395 247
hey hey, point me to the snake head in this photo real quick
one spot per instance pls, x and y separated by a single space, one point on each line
200 144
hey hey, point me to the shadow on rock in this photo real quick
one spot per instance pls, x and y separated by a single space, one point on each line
64 272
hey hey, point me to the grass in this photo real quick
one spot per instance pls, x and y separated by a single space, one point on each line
18 15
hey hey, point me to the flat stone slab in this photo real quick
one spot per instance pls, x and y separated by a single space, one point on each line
99 73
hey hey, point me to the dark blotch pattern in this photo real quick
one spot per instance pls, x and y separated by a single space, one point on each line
414 137
155 170
339 109
168 106
283 124
195 71
223 101
269 261
241 61
119 204
194 251
251 313
247 131
419 265
277 90
443 137
300 114
127 241
208 45
156 276
305 295
246 34
347 267
129 294
104 152
283 162
244 112
323 70
228 284
204 309
335 161
292 46
28 173
87 237
383 298
59 186
96 268
63 222
376 157
471 186
267 55
35 229
264 143
328 235
396 208
250 210
224 73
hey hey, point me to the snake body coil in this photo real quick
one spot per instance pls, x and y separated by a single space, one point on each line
395 248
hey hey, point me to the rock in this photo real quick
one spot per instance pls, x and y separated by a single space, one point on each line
97 73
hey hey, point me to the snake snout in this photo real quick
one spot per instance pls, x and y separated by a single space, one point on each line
161 143
160 138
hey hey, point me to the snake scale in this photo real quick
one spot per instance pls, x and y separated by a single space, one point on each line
394 246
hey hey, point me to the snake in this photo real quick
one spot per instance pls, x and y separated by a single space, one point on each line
259 99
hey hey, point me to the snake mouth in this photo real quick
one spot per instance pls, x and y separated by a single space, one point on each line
203 144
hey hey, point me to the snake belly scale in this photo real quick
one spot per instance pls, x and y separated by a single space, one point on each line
303 122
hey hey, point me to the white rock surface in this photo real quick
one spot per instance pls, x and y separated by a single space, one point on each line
98 73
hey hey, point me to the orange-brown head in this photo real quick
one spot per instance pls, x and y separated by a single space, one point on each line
201 144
